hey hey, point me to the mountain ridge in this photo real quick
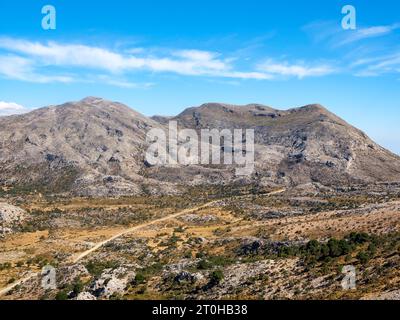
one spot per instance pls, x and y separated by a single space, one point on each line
96 147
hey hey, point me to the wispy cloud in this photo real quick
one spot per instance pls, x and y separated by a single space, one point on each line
375 66
185 62
370 51
41 62
23 69
370 32
121 83
300 71
332 34
322 31
9 108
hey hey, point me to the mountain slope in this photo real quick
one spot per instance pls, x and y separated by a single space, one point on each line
301 145
92 146
97 147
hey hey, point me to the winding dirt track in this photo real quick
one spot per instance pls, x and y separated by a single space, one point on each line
138 227
82 255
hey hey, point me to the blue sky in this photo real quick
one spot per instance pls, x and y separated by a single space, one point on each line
160 57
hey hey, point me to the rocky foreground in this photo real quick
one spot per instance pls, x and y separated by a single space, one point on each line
288 244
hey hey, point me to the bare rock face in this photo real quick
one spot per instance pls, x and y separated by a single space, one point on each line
111 282
90 147
10 217
301 145
187 277
96 147
85 296
67 274
388 295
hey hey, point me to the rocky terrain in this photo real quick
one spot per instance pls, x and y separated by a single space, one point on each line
10 217
78 196
96 147
300 145
91 147
285 244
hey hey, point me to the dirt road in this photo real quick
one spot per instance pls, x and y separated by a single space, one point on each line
97 246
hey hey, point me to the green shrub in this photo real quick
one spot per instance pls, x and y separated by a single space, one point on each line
203 265
77 287
358 238
62 295
371 249
96 268
216 277
139 278
179 229
219 260
363 257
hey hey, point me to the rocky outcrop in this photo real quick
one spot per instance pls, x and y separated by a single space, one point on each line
10 217
187 277
85 296
111 282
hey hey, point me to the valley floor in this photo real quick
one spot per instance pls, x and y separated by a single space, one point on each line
275 244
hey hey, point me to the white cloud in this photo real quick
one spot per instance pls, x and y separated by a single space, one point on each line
247 75
9 108
330 33
19 68
134 50
368 67
127 84
70 55
370 32
186 62
38 62
294 70
196 55
121 83
367 58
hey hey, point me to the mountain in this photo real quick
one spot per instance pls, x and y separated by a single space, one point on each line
97 147
301 145
91 147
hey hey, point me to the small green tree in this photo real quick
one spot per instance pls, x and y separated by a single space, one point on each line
216 277
139 278
334 248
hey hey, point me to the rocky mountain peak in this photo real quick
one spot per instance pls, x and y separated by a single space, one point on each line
92 100
97 147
